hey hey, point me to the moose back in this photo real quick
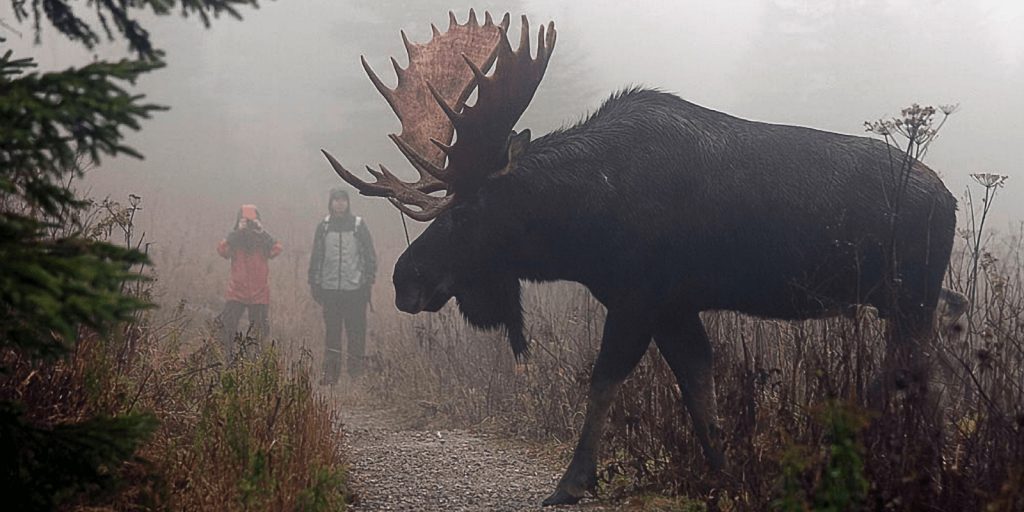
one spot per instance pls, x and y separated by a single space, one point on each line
662 208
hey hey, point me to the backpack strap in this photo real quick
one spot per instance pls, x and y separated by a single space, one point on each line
323 225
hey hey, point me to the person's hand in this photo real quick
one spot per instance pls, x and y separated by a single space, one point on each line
242 223
257 225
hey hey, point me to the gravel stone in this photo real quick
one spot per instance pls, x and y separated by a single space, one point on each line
397 469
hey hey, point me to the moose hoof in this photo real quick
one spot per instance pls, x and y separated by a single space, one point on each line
561 497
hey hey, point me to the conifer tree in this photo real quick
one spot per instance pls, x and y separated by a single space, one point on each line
55 288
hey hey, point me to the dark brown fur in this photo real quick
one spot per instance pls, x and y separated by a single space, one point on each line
664 209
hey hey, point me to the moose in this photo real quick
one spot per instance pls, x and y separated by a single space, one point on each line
662 208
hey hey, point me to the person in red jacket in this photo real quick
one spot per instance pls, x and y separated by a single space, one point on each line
249 247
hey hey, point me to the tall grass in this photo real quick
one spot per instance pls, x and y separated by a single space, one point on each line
250 436
784 388
792 394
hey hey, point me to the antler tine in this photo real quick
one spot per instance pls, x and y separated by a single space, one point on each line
438 67
399 189
384 90
541 40
445 148
506 20
410 49
428 211
448 111
504 47
477 72
364 188
546 42
387 184
483 129
432 177
402 195
399 72
429 121
524 37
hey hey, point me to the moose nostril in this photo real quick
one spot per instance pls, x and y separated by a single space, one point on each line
409 299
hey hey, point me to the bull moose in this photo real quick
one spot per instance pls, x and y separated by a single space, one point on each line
663 209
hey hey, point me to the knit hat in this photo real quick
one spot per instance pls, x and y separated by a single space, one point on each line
337 193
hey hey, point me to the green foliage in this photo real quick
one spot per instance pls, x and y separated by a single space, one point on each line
843 486
254 427
43 467
792 488
64 17
50 287
323 493
838 482
54 287
51 120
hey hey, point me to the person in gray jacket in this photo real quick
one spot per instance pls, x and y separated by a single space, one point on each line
342 268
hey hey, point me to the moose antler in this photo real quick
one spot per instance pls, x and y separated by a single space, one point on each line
430 100
484 128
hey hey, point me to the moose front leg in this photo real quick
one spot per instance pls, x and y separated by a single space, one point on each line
686 348
623 344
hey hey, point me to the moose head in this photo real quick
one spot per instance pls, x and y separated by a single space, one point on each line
460 254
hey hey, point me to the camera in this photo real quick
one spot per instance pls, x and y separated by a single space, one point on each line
250 216
249 212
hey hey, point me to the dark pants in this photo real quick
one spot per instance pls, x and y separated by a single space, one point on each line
343 308
259 324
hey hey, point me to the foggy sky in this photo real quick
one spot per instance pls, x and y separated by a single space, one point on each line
253 102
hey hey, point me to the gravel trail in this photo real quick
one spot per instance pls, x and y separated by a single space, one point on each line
396 469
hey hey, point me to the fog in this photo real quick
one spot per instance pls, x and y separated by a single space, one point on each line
253 102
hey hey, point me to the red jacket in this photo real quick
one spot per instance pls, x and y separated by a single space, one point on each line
249 272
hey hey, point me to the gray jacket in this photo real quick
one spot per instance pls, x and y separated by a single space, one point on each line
343 257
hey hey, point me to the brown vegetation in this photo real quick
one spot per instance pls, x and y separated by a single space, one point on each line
251 436
792 400
792 394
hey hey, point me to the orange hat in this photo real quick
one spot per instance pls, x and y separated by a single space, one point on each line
249 212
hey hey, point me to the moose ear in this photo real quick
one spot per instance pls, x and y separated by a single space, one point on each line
518 143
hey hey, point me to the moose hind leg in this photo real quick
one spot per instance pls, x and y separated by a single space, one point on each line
685 346
907 364
622 346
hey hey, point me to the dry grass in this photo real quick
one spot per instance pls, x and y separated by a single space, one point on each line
249 437
785 389
776 383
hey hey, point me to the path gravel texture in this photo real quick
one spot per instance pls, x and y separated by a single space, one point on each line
398 469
